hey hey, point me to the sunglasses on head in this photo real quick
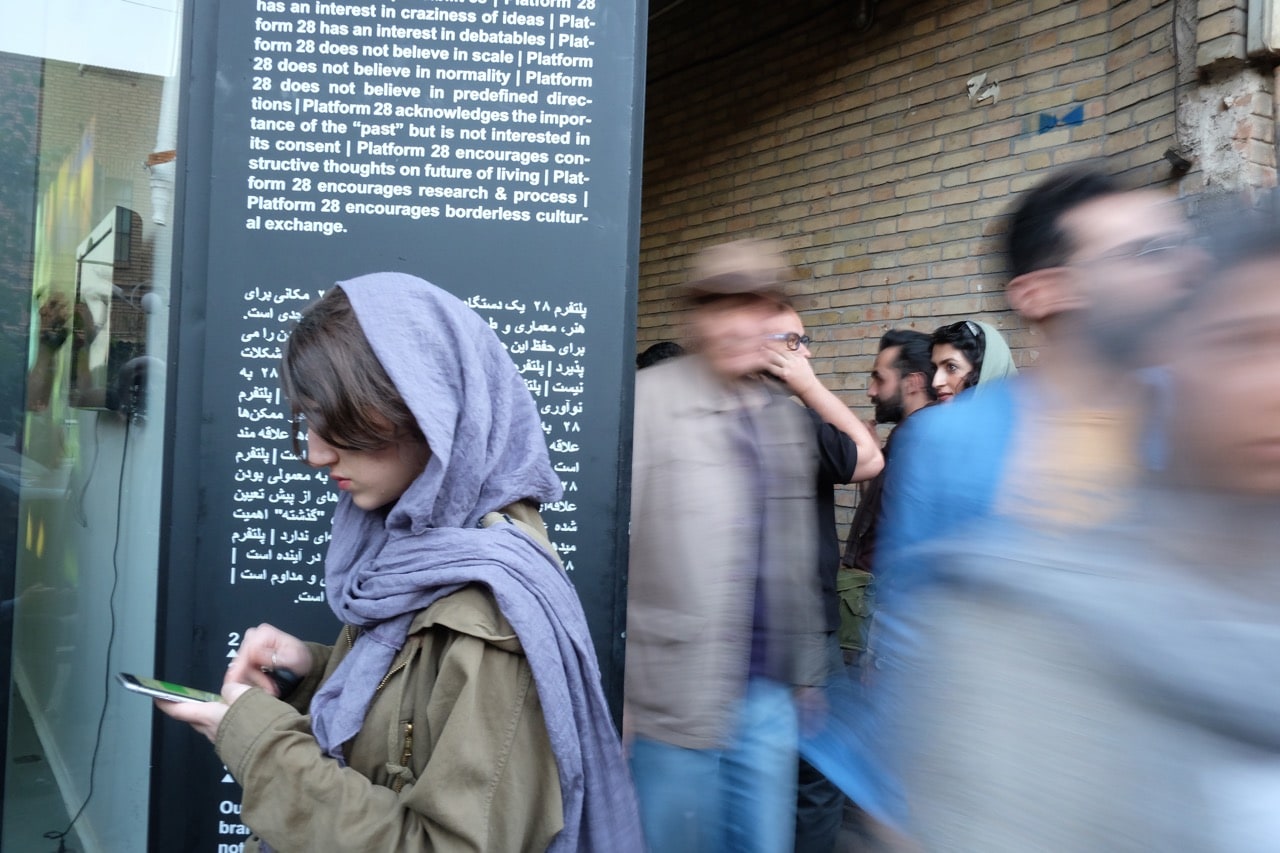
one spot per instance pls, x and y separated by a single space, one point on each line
964 326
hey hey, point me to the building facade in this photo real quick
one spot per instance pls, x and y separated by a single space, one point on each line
882 142
179 182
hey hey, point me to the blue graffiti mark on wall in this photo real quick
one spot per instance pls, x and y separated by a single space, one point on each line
1071 118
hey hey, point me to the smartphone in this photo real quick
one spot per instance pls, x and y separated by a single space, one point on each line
165 690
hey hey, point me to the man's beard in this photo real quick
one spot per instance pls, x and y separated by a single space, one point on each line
889 409
1127 342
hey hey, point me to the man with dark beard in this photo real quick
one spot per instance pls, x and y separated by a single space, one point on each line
899 387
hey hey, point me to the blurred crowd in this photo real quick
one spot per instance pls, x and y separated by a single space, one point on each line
1054 623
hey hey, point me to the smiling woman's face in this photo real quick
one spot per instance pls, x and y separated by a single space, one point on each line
951 370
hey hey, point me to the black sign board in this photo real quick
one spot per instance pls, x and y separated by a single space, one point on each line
489 146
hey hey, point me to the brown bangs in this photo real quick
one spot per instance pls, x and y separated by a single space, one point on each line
335 384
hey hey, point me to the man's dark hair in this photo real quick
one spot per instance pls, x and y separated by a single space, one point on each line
1036 238
660 351
915 353
1246 230
1238 231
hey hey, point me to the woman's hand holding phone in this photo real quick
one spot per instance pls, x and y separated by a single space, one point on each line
265 653
271 659
204 717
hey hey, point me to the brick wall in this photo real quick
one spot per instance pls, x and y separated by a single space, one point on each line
1229 116
19 108
884 159
123 109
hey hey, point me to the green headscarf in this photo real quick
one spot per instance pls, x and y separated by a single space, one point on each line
997 359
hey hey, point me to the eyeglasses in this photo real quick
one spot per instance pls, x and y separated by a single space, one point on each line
793 340
1158 248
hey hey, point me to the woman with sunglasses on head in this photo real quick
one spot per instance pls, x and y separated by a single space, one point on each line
967 353
461 707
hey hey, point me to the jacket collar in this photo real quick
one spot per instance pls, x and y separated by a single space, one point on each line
707 392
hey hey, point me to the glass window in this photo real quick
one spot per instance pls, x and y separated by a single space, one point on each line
88 113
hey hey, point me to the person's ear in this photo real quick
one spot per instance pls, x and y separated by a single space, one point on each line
1043 293
916 383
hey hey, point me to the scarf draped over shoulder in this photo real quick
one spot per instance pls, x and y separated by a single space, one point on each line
487 452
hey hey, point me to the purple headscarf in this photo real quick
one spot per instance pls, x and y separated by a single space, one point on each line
487 451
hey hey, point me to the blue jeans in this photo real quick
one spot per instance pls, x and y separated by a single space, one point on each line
740 798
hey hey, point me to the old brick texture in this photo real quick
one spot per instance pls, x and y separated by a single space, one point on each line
885 159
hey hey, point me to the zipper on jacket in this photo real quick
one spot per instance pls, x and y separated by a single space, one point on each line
348 634
390 673
405 757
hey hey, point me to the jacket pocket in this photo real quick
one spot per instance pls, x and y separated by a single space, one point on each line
856 592
667 665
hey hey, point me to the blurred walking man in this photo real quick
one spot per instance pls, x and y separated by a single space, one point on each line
724 619
986 639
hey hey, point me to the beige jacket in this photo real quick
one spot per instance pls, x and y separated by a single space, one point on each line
694 535
453 755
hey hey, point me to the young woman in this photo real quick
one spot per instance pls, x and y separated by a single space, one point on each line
461 707
967 353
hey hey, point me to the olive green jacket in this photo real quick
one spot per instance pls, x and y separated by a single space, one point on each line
453 754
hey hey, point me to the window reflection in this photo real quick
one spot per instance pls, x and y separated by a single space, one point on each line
85 261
